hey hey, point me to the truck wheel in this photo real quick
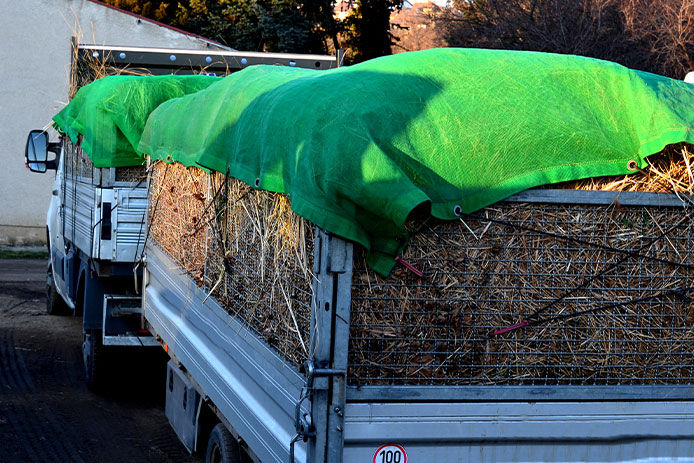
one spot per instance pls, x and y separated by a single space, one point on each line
54 301
222 447
93 353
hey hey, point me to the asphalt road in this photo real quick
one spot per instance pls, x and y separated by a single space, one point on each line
46 412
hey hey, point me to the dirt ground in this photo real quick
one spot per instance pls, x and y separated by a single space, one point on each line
46 412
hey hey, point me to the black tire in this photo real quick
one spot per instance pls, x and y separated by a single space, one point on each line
222 447
94 356
54 301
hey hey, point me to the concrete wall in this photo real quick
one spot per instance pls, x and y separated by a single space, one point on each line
34 74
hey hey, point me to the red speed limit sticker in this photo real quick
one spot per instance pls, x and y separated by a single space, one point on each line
390 453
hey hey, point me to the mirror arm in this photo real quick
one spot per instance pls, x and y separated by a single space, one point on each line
54 147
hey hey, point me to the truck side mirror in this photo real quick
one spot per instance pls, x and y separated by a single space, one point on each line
36 152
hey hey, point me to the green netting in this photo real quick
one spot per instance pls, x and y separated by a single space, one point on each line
357 148
110 113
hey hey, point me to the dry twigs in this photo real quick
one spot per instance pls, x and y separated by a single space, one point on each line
254 255
245 246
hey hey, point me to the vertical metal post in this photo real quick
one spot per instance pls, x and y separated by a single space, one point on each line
320 347
329 339
341 269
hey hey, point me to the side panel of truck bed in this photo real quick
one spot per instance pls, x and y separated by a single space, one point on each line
523 431
82 209
249 384
129 220
79 208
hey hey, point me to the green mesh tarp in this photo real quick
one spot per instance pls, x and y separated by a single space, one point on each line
110 113
357 148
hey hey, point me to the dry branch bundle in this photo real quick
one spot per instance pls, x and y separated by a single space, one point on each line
482 276
254 256
245 246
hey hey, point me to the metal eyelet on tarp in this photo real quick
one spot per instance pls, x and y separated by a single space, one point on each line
457 210
257 182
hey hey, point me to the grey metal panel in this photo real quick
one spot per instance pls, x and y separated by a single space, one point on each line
105 177
182 405
515 393
625 198
80 201
523 431
249 384
601 451
321 340
128 217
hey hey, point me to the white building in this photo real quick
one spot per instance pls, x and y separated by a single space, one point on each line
35 53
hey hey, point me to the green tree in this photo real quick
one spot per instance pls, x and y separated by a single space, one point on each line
368 29
296 26
324 27
263 25
162 11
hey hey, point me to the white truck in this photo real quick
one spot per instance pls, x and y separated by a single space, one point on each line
95 239
372 379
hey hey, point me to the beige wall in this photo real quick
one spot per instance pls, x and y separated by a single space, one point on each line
34 69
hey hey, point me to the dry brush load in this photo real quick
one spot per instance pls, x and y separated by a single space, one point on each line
568 266
599 294
246 246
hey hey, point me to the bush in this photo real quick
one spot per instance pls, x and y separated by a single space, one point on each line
655 36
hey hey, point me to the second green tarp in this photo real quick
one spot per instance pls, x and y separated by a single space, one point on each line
358 148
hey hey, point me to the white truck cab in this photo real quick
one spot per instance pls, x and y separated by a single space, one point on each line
95 236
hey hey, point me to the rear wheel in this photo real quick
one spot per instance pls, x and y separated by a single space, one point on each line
54 301
222 447
94 356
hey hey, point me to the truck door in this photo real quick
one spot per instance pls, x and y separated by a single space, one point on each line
54 222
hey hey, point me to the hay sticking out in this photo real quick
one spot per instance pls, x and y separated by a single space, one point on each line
245 246
177 214
669 171
86 69
481 276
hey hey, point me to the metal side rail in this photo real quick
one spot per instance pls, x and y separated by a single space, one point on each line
521 432
253 389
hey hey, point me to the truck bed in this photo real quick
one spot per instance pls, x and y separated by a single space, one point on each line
256 390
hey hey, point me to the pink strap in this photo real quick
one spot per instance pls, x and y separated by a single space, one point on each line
511 328
408 266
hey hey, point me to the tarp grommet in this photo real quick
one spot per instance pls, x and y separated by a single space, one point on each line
632 165
257 182
168 158
457 210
